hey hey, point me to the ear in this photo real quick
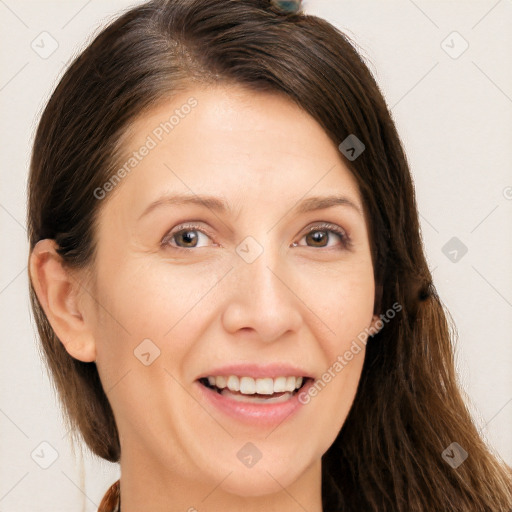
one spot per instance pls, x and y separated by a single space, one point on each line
59 292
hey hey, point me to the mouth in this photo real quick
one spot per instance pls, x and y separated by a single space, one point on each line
247 389
258 395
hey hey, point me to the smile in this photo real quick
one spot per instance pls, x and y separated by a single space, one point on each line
267 400
251 386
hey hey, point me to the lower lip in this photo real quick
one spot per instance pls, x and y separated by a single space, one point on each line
254 413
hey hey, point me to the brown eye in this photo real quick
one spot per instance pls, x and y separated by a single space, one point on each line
318 238
321 235
184 237
188 237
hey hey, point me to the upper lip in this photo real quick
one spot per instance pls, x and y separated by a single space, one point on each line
258 371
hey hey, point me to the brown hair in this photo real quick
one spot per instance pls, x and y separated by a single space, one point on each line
408 407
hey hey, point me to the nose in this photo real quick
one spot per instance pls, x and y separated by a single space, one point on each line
262 300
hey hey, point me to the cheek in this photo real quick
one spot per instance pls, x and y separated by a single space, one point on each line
144 300
149 298
343 299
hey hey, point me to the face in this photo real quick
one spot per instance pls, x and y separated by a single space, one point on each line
213 260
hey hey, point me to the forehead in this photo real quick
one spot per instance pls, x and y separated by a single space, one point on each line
229 141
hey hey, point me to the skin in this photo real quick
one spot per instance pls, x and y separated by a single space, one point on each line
204 306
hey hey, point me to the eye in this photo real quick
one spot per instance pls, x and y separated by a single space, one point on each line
189 235
320 236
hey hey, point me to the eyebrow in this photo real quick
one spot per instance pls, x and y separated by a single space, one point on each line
219 205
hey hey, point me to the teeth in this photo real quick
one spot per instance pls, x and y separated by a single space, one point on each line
250 386
247 386
265 386
220 382
255 399
233 383
280 385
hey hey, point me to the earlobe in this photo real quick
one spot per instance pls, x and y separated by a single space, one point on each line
58 292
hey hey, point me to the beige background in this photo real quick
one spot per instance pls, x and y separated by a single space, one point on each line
454 113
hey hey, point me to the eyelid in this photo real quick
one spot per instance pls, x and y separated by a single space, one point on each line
328 226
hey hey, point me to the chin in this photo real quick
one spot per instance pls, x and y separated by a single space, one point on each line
253 485
260 481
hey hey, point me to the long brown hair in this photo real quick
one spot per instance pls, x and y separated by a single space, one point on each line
408 408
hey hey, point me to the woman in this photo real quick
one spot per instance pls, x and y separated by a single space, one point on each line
228 277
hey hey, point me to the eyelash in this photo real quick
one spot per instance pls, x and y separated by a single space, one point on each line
323 226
